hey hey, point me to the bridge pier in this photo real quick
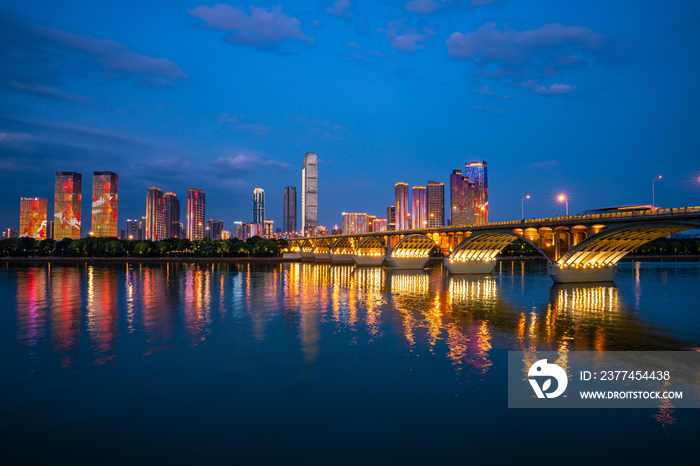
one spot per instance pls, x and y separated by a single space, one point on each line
306 256
362 260
322 257
563 274
470 267
407 263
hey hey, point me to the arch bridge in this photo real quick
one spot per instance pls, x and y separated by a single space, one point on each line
581 248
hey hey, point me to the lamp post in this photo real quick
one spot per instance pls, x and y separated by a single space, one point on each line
522 207
653 199
565 200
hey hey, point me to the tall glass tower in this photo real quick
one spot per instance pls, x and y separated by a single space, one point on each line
420 207
478 176
32 217
155 215
462 199
259 206
436 204
289 210
172 215
66 210
309 194
402 216
105 188
195 214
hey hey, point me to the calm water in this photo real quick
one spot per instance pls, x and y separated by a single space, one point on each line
320 364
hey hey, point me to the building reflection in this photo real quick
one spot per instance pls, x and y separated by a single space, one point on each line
102 312
66 303
196 293
31 305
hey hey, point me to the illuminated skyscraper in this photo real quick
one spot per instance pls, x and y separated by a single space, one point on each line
462 199
214 229
269 228
172 215
259 206
354 223
436 204
391 218
402 215
289 210
155 215
105 188
477 172
66 210
195 214
132 230
32 217
370 223
309 194
379 224
420 207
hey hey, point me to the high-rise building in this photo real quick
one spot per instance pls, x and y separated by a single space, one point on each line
461 199
336 230
105 193
255 229
121 234
8 233
477 172
289 210
214 229
225 234
269 228
172 215
436 204
401 214
142 229
391 218
32 217
49 229
354 223
259 205
195 214
419 210
66 206
370 223
239 230
379 224
155 215
132 230
309 194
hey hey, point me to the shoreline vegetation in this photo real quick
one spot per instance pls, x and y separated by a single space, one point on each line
261 250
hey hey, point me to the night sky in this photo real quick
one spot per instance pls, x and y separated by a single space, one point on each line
592 98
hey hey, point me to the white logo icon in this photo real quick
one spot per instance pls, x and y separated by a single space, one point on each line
542 369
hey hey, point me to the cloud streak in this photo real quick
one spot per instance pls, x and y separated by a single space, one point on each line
49 93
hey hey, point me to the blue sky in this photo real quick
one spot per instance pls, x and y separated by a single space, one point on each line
589 98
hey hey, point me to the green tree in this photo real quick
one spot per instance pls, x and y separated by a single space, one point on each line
142 249
114 248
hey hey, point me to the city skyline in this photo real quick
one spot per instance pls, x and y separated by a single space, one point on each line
580 110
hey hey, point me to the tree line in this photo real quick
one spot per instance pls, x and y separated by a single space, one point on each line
114 247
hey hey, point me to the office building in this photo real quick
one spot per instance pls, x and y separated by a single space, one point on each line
49 229
370 223
239 230
419 209
269 227
289 210
336 230
354 223
214 229
259 205
195 214
255 229
436 204
225 234
155 226
121 234
66 210
461 199
402 216
133 230
391 218
8 233
309 194
172 215
32 217
379 224
477 172
105 193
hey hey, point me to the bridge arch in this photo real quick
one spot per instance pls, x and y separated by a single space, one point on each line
342 246
606 248
306 246
370 246
322 246
485 246
413 246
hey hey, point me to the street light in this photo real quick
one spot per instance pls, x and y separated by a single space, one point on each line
522 207
563 198
652 190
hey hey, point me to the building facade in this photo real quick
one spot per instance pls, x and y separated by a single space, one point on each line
172 216
133 232
32 217
391 218
402 215
105 197
309 194
436 204
269 228
419 209
379 224
289 210
214 229
259 205
354 223
477 172
155 215
461 199
195 214
66 210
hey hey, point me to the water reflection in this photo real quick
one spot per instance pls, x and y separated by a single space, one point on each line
66 307
31 305
102 312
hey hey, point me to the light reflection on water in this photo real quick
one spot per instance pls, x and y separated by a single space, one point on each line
70 316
